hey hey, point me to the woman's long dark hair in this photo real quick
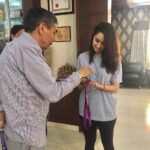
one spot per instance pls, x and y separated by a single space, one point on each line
109 52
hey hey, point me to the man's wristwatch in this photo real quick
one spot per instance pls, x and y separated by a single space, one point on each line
77 73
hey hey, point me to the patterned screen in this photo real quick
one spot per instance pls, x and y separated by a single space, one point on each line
123 20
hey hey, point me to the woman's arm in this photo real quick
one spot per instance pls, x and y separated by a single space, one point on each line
114 87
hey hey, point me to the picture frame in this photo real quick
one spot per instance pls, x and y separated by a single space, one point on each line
63 34
61 7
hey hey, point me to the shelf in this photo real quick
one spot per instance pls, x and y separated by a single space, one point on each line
11 13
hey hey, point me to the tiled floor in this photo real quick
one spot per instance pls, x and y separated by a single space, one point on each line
132 131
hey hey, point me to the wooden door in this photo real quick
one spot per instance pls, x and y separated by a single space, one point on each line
27 4
89 13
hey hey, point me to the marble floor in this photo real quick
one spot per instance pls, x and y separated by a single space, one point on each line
132 131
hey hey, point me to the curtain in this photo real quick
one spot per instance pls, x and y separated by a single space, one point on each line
148 51
140 49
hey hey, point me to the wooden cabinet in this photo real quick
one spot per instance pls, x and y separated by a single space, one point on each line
66 110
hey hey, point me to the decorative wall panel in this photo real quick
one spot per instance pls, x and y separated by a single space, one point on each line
123 20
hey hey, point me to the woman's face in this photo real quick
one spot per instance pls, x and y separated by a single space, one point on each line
98 42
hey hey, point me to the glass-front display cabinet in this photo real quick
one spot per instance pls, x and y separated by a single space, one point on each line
11 13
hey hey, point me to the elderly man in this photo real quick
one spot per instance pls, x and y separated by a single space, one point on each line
27 84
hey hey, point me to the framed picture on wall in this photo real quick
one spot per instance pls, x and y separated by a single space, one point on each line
63 34
60 7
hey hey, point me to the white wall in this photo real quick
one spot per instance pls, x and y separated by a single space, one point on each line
62 52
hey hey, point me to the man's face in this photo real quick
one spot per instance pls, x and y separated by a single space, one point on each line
48 35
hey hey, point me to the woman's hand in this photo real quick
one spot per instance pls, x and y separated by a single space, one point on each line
84 80
92 84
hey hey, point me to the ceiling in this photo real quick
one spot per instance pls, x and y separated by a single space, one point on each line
123 3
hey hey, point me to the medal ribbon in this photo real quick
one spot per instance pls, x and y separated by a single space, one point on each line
87 113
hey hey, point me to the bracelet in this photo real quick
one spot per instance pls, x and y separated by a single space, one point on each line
104 87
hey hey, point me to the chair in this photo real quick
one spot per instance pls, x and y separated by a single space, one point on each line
133 74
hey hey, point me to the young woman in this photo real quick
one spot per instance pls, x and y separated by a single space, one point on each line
103 58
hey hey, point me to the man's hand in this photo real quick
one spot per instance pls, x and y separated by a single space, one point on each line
2 119
84 71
